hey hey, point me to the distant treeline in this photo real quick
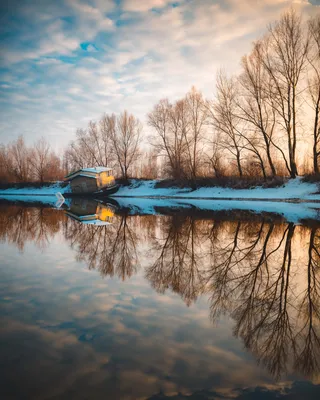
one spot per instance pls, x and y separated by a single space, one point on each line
264 122
38 163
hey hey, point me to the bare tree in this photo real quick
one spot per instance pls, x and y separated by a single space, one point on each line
20 160
225 118
254 147
284 56
314 87
213 156
5 165
169 124
40 159
93 146
126 138
81 152
107 124
197 115
255 105
149 165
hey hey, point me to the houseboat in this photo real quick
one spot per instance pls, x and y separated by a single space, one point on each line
98 181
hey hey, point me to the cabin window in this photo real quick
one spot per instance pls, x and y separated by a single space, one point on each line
84 186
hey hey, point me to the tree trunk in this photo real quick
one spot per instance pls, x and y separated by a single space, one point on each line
294 128
272 167
239 165
316 132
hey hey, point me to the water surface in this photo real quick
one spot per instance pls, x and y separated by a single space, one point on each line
98 302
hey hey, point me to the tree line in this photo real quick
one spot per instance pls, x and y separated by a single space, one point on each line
259 123
37 163
256 124
263 122
112 141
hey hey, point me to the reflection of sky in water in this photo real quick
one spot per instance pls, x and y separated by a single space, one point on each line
69 333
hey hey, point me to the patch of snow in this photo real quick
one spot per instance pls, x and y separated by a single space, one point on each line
293 189
147 189
46 199
33 191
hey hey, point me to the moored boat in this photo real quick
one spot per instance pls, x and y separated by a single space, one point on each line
97 182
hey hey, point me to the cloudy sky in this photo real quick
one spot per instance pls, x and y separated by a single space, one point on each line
65 62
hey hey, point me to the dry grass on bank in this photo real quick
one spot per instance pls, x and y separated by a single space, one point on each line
233 182
312 178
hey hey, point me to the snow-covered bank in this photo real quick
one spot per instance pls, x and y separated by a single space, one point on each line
47 199
48 190
293 189
295 212
143 197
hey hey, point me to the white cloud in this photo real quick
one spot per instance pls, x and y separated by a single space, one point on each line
152 56
143 5
90 47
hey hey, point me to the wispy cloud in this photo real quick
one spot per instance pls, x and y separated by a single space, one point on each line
146 5
68 61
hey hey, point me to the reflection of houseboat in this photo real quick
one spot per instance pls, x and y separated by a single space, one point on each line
89 211
88 181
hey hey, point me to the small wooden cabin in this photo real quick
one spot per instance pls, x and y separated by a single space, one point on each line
90 180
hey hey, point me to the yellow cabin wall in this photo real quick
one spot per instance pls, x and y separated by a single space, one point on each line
104 213
105 180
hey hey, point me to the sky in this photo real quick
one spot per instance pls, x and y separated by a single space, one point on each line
65 62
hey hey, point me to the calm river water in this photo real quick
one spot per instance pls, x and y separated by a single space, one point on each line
100 303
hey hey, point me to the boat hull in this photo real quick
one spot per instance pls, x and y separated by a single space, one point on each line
105 192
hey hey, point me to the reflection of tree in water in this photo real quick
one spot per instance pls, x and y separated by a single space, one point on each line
254 272
258 272
264 274
179 258
254 279
309 357
109 248
20 224
262 317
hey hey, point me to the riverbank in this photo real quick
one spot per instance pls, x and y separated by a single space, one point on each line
34 189
294 190
290 211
